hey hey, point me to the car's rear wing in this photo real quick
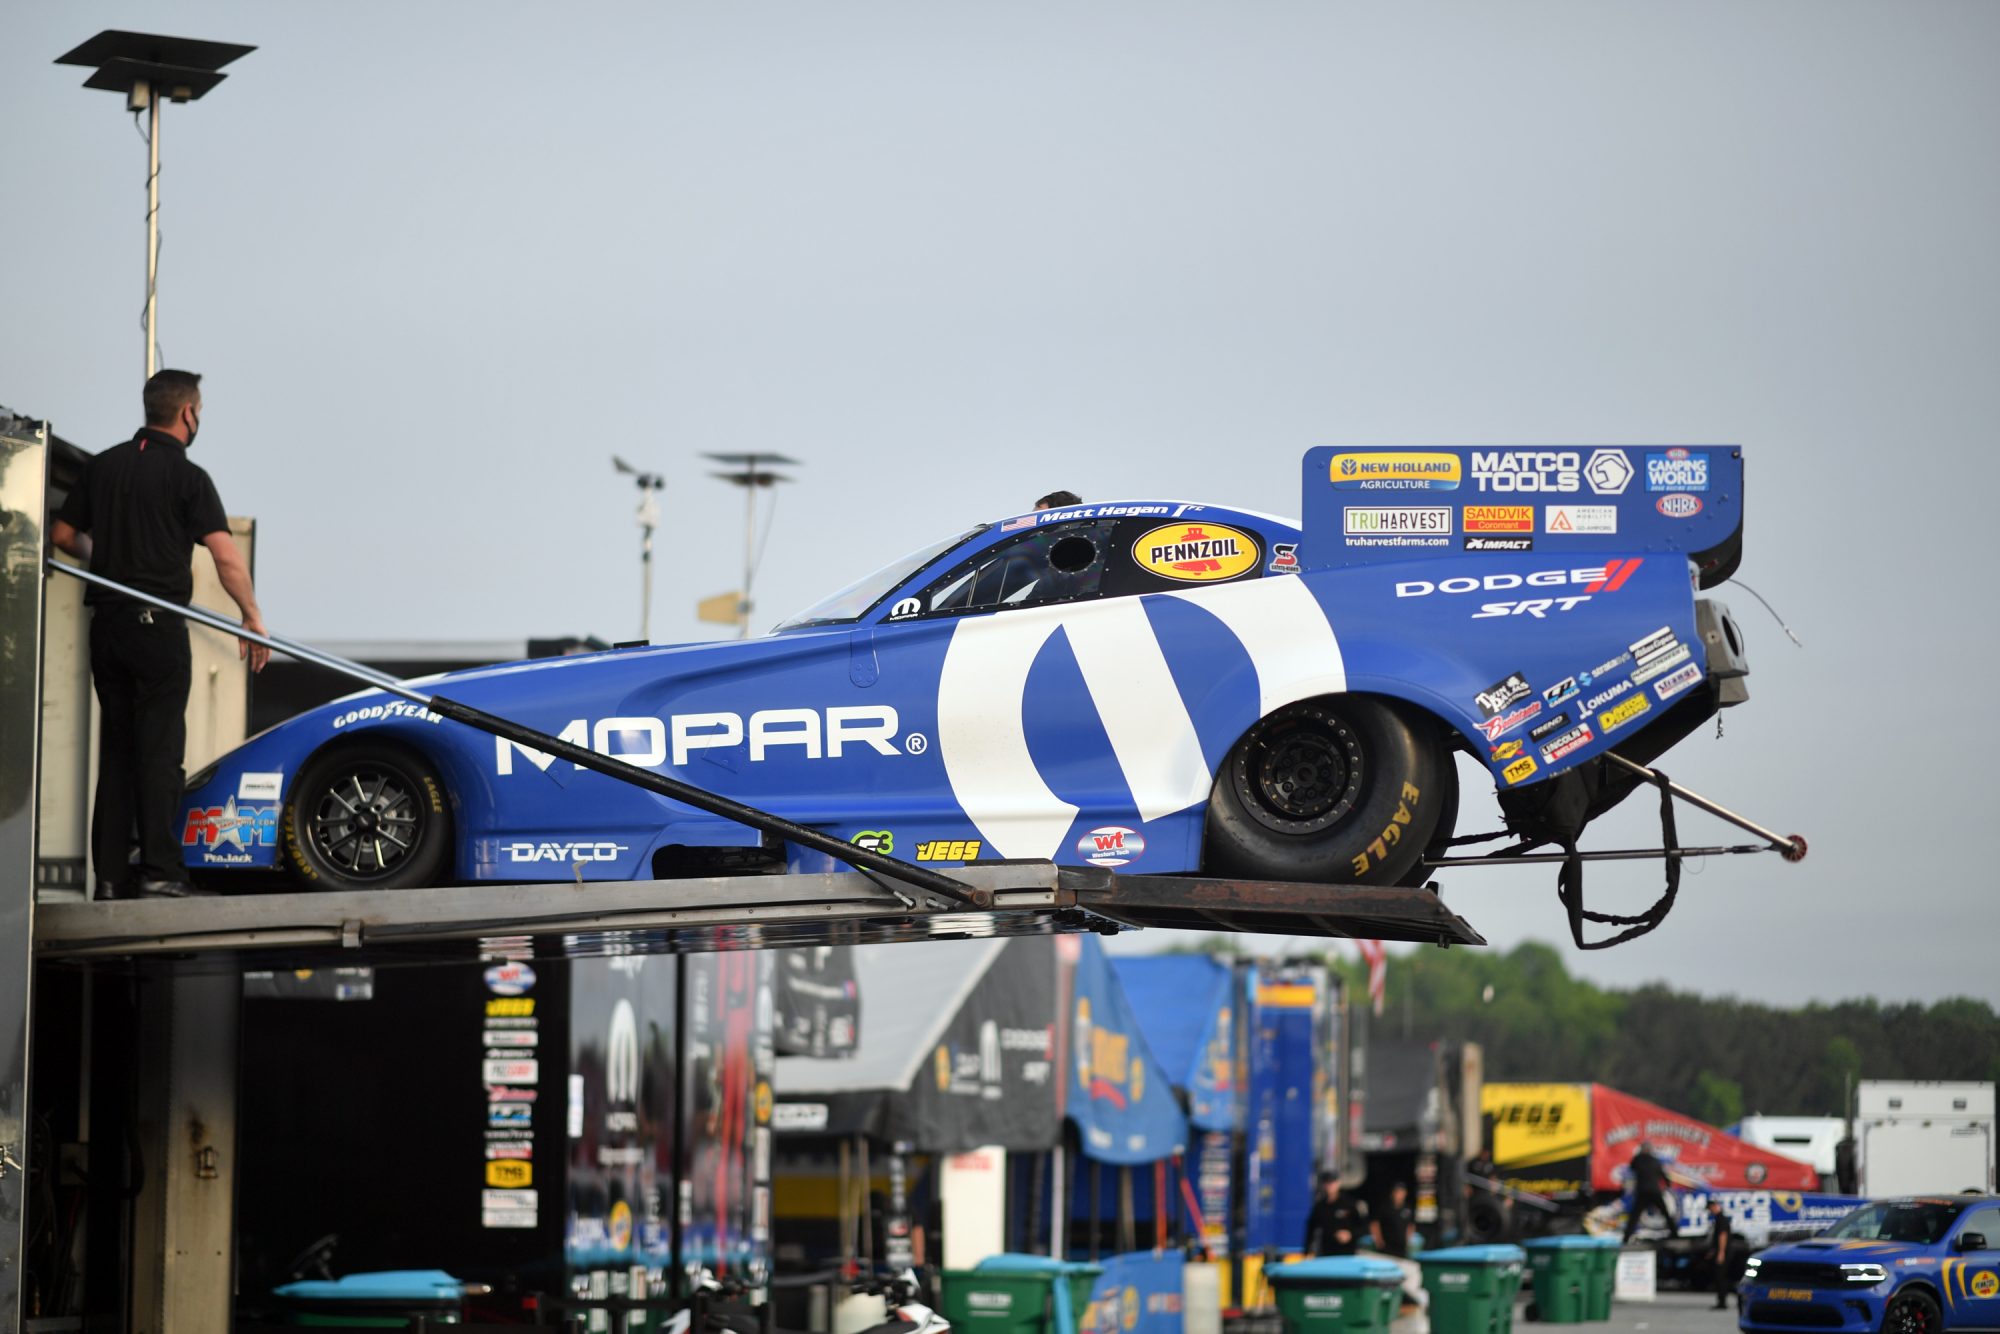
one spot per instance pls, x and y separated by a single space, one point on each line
1369 506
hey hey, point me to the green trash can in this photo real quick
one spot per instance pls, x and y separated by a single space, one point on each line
389 1299
1019 1294
1472 1288
1566 1277
1337 1294
1603 1276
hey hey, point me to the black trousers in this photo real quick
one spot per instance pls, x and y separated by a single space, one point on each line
1644 1201
140 663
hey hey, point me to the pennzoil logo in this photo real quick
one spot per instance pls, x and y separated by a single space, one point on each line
1196 552
510 1174
1395 472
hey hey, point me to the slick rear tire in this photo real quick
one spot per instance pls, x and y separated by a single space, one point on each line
1345 789
371 815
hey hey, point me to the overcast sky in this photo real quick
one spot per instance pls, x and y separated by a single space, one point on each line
438 262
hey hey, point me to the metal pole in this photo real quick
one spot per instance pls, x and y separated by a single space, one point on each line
749 544
646 583
1793 847
152 229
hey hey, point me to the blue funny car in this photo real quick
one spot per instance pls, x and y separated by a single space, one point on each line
1913 1266
1149 686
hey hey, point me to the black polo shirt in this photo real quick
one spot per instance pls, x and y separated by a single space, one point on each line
146 508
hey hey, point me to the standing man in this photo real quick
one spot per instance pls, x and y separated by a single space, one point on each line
1391 1221
1336 1223
1649 1177
1719 1228
136 515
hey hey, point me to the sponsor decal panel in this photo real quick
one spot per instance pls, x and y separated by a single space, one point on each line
1499 518
1111 845
1520 770
1620 714
563 852
1496 727
1672 658
1497 697
1594 580
1543 728
1413 526
510 979
509 1173
1609 472
948 850
511 1037
1499 544
508 1208
1506 750
1669 686
510 1007
1575 739
1678 505
1602 669
1395 472
259 787
651 742
1560 691
1520 470
510 1070
1284 558
1586 520
212 829
875 840
1196 552
1605 696
1677 470
392 709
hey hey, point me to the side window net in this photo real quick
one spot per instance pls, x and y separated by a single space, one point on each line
1057 565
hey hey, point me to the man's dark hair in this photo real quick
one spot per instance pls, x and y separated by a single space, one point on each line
1057 499
167 393
1328 1178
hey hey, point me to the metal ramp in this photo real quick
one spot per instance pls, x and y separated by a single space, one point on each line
583 919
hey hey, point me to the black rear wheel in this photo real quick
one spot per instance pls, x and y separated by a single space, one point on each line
367 816
1344 789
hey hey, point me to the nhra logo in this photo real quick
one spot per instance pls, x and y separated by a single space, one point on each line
650 742
1679 505
1196 552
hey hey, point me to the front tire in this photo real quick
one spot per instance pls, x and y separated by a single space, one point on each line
1913 1311
1345 789
367 816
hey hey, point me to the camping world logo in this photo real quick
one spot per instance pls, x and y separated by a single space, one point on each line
1196 552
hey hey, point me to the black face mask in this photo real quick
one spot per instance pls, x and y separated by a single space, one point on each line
194 427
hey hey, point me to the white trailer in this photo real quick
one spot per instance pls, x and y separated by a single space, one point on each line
1923 1137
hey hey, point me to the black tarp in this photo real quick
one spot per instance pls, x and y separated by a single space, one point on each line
957 1050
819 1006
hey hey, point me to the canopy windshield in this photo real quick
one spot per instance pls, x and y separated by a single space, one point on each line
852 602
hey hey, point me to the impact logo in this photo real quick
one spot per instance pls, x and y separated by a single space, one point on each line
1196 552
1111 845
213 828
1395 472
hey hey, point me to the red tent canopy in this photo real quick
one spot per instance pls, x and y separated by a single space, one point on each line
1619 1122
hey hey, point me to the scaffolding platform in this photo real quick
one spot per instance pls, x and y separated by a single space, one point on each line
579 919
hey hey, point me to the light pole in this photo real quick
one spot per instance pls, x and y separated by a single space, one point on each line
650 485
146 67
750 475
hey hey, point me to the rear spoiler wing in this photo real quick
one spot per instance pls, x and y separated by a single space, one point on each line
1370 506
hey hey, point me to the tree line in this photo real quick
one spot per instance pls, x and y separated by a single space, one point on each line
1713 1058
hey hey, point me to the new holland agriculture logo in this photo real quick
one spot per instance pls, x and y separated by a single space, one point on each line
1196 552
1395 472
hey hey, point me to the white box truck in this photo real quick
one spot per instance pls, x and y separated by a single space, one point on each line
1923 1137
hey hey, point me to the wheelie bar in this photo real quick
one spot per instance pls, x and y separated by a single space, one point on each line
1791 847
917 877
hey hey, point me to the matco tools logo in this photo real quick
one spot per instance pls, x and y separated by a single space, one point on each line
1196 552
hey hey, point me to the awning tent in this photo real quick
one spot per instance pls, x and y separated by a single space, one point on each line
1184 1004
1121 1098
956 1051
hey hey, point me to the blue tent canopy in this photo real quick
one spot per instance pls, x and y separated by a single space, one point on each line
1120 1097
1183 1001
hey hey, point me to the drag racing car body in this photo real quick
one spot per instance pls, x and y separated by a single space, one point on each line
1148 685
1909 1266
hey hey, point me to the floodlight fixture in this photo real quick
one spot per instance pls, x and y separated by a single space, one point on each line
650 484
752 474
147 67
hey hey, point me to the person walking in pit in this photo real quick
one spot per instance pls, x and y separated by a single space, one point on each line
1337 1222
135 516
